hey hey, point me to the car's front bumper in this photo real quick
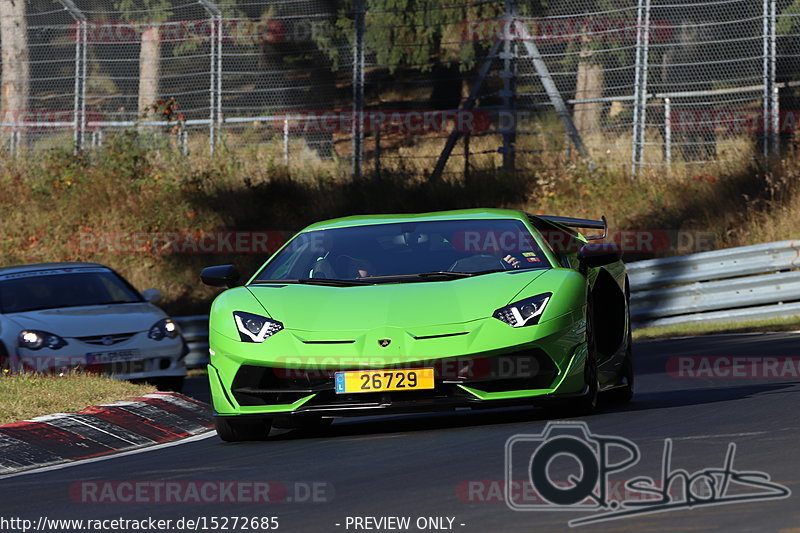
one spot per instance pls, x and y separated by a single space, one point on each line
134 359
249 379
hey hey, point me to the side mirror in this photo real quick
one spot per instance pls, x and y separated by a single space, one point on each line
220 276
152 295
597 255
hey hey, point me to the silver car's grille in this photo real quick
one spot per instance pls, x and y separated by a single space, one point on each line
106 340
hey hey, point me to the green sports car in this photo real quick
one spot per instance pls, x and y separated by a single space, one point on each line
374 314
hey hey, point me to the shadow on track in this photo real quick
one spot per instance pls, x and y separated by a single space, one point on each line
438 421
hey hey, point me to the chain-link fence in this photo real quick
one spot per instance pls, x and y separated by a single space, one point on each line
431 87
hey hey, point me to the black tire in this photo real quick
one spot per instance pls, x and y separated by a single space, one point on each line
587 404
5 362
236 430
622 395
169 384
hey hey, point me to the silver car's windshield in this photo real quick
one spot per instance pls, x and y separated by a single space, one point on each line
30 291
411 249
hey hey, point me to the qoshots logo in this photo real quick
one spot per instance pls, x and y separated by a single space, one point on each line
200 491
594 459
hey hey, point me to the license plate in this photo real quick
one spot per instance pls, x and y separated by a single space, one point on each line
384 380
112 356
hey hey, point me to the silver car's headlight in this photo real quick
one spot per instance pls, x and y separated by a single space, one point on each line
255 328
34 339
164 328
524 312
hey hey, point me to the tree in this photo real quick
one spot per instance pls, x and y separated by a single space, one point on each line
150 47
16 68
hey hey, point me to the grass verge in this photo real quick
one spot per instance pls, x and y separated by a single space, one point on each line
686 330
117 205
26 396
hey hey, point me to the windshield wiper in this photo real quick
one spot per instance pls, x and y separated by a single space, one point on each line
422 276
332 282
312 281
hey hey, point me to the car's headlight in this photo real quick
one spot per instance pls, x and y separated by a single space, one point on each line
164 328
255 328
34 339
524 312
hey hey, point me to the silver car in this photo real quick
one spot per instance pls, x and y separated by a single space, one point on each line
61 317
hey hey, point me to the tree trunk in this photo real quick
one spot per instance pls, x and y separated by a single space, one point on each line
589 85
16 70
149 65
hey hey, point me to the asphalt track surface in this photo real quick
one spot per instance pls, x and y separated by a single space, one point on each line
452 465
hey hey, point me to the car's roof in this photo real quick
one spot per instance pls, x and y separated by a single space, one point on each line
459 214
16 269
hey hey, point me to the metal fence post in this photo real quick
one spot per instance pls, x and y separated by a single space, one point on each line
84 62
668 132
286 140
466 158
79 101
377 136
766 94
76 110
358 89
509 87
214 96
773 82
219 78
212 91
640 83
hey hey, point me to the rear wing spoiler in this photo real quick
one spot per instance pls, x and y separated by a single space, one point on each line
583 223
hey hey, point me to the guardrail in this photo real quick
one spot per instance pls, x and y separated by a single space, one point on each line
195 331
746 283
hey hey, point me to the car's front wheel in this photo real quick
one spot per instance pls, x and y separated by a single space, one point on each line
236 430
587 403
624 393
169 383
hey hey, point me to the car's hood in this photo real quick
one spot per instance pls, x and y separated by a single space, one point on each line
90 320
323 308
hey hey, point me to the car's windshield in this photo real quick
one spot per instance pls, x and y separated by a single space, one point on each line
69 287
407 249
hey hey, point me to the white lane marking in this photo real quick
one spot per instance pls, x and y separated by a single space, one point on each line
715 335
722 435
143 449
101 430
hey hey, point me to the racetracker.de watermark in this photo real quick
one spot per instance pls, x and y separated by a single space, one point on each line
647 241
727 121
733 367
383 121
507 366
182 242
46 120
239 31
564 30
201 491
